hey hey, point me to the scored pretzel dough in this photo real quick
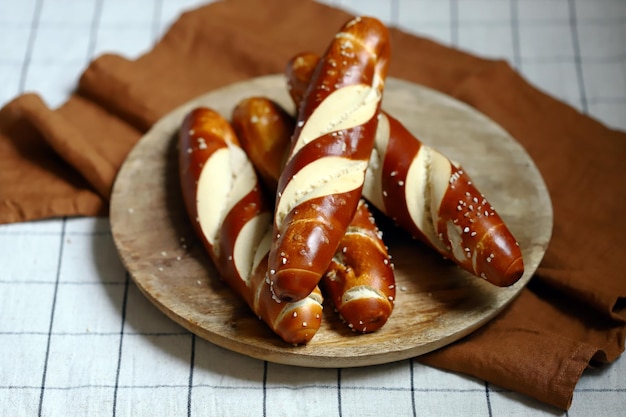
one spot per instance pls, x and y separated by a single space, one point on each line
437 302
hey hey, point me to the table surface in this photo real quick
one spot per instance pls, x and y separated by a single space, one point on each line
77 337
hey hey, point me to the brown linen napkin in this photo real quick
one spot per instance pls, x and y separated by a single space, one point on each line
63 163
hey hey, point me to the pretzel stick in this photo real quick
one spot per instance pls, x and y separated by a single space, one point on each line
430 196
320 186
234 221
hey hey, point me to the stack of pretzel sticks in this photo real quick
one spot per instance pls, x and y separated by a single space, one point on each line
281 202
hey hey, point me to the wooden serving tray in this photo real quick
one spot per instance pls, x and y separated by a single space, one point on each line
437 303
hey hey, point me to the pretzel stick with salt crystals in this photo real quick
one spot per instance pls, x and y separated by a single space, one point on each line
234 222
428 195
320 186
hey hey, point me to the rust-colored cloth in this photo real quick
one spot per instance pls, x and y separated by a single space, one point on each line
572 314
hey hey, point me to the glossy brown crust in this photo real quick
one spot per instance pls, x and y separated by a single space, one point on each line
295 325
396 165
361 263
299 71
203 132
264 129
484 236
260 125
488 248
357 55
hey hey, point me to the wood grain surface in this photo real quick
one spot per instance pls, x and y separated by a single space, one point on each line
437 303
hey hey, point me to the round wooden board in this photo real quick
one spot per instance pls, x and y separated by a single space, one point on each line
437 302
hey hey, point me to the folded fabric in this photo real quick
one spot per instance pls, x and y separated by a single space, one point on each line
572 314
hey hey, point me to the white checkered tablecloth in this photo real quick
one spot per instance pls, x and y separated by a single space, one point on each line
78 339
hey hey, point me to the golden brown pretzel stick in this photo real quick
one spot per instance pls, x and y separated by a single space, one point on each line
360 280
320 185
406 175
234 221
